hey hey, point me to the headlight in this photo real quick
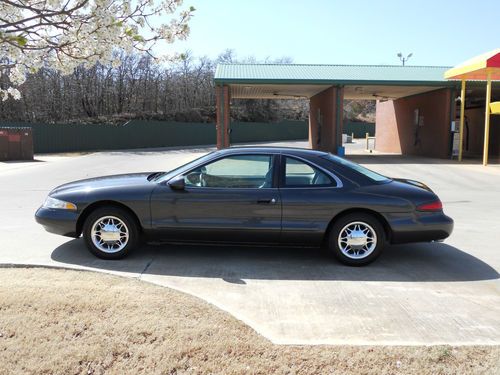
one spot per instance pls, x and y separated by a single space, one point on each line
57 203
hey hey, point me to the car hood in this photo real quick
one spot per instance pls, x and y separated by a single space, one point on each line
115 181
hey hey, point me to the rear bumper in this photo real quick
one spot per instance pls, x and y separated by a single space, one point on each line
55 221
419 227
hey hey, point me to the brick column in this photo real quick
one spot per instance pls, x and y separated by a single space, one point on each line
325 119
339 117
223 116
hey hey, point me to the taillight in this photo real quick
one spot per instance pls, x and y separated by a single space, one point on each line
432 206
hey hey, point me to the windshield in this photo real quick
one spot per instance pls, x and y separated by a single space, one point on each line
167 175
358 168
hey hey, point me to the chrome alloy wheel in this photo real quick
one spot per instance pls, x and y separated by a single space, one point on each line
109 234
357 240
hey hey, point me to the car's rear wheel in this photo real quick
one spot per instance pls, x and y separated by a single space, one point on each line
356 239
110 233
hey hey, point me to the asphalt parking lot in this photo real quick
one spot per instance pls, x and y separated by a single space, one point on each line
434 293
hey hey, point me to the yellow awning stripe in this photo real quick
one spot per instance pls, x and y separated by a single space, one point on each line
476 68
495 108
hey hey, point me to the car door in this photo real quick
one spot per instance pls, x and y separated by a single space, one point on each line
310 197
234 198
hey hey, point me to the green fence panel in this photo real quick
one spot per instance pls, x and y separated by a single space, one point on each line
49 138
267 132
359 129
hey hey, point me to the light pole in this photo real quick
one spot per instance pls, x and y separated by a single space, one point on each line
404 59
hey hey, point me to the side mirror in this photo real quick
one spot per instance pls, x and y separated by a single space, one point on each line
177 183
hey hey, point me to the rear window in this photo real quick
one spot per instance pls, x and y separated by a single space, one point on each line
300 174
374 176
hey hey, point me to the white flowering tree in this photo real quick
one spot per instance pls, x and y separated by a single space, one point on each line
63 34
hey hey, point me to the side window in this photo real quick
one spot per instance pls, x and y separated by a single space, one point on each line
237 171
300 174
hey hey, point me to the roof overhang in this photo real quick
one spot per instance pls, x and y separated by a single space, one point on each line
477 68
291 81
305 91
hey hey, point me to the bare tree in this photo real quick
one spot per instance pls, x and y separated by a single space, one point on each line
141 87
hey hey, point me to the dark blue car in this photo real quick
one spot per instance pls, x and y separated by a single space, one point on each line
250 195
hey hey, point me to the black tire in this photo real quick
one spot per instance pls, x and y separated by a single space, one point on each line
372 224
122 215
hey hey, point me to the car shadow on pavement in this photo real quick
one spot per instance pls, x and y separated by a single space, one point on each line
405 159
426 262
22 161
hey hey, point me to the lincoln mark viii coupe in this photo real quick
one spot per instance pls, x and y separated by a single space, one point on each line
253 195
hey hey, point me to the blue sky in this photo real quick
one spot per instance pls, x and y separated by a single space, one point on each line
438 32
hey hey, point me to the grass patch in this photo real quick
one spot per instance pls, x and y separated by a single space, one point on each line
72 322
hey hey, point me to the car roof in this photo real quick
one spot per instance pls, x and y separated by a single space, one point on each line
272 149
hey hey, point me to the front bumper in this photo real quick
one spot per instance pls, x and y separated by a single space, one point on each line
419 227
62 222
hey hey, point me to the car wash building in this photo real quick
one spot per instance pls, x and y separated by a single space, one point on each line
418 110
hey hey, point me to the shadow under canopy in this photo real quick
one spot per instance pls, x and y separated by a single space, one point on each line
411 159
423 262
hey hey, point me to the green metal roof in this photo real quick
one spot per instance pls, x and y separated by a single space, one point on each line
331 74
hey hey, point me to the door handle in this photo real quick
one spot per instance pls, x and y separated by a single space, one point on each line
267 201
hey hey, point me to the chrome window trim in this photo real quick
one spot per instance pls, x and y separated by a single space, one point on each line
226 188
327 172
271 154
339 182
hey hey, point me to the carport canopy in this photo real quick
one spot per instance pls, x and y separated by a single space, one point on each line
288 81
324 85
485 67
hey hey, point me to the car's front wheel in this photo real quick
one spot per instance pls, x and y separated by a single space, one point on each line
110 233
356 239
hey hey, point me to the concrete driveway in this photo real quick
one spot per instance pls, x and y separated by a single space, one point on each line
441 293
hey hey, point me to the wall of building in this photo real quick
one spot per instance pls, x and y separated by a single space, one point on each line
474 134
396 130
324 109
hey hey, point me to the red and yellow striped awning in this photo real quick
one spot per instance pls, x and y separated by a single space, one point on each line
477 68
